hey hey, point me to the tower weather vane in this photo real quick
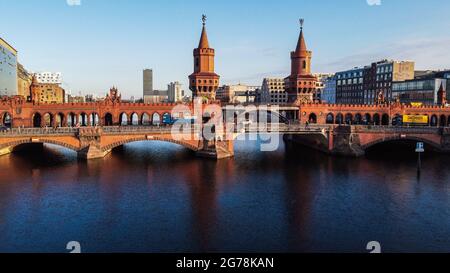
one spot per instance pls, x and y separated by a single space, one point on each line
204 19
302 21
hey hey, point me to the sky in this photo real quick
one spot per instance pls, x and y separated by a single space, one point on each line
101 43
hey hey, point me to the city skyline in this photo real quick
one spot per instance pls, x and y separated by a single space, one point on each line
115 46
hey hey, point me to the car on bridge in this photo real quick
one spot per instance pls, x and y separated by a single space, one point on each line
4 129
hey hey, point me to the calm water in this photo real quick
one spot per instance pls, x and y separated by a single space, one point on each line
158 197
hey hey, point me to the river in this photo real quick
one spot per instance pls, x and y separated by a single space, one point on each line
158 197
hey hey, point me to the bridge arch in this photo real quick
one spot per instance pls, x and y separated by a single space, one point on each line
349 118
108 120
367 118
312 118
145 119
156 119
434 121
330 118
339 118
48 119
6 120
16 143
94 119
72 119
134 119
123 119
83 119
59 120
37 120
381 140
189 145
376 119
358 119
442 121
385 120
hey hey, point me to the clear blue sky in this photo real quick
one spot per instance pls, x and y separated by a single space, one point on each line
108 42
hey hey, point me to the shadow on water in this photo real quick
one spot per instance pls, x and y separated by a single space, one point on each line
43 156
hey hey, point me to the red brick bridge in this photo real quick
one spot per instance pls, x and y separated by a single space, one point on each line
88 128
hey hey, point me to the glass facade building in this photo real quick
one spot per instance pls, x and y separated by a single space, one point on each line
8 69
419 91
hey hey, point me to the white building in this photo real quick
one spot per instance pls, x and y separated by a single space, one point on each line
273 91
157 96
175 92
49 77
238 93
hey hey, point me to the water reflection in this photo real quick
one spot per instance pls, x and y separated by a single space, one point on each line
158 197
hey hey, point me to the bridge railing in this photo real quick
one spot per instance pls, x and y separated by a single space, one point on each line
397 129
39 131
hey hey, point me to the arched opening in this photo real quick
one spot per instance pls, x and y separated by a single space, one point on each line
167 119
48 120
358 119
94 119
367 119
330 118
393 149
72 120
145 120
397 120
59 122
7 120
312 118
37 120
385 120
349 119
83 120
339 118
434 121
134 119
156 119
123 119
376 119
443 121
108 120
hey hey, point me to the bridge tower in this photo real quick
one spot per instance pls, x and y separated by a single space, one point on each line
301 84
442 96
204 82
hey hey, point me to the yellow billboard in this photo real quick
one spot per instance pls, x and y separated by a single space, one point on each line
416 119
416 104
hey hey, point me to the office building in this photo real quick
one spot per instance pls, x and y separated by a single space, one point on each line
8 69
147 82
424 89
329 90
24 80
273 91
47 93
175 92
365 85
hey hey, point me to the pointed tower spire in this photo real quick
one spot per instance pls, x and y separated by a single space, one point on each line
300 85
301 45
442 95
204 81
204 43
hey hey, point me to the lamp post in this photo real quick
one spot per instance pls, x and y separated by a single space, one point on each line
419 150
